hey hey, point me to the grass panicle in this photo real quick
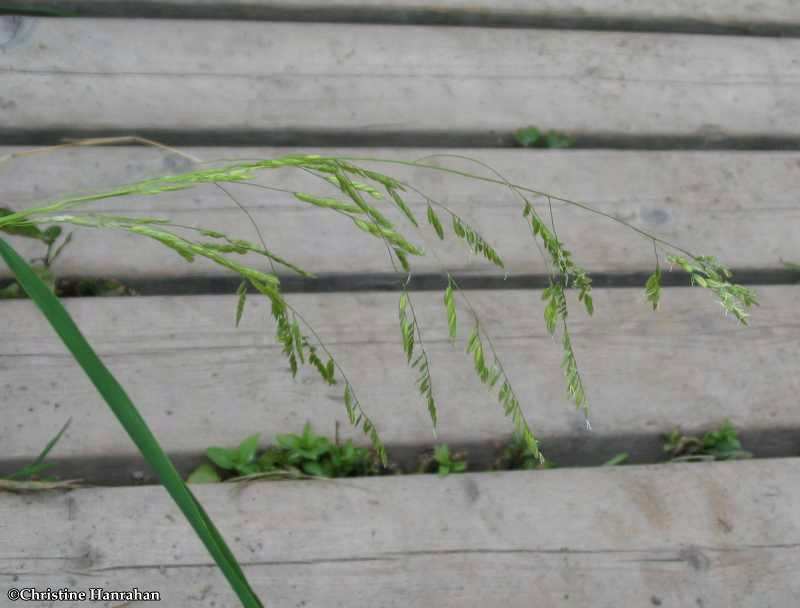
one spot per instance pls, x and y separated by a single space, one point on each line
708 273
365 197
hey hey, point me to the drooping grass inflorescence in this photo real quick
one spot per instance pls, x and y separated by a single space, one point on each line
356 190
360 191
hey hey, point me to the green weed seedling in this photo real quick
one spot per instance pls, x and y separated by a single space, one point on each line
240 460
293 456
722 444
616 460
318 456
205 473
29 478
348 460
307 452
518 455
443 462
33 471
43 267
89 288
531 137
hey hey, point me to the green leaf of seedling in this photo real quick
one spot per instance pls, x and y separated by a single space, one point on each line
249 468
22 228
50 235
272 459
223 458
531 137
205 473
554 139
313 468
247 449
446 462
528 137
618 459
288 442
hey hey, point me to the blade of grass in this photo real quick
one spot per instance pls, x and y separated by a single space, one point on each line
132 421
39 465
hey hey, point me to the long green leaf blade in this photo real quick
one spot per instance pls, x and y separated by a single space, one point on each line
132 421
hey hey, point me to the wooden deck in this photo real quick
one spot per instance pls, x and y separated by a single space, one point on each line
686 116
710 201
722 534
641 368
701 16
280 78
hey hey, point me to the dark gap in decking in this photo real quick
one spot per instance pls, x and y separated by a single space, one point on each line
209 137
344 282
398 16
579 450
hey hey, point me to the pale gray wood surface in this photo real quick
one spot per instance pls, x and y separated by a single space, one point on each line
711 12
711 535
199 381
187 75
739 206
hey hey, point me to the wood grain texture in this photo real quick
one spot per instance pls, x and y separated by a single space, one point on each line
183 75
722 534
199 381
738 206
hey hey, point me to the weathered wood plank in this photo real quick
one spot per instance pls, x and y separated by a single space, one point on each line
774 15
738 206
277 77
200 382
723 534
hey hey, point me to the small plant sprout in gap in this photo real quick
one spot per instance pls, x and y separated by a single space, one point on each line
721 444
30 478
443 462
346 187
42 265
518 455
531 137
54 245
293 456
